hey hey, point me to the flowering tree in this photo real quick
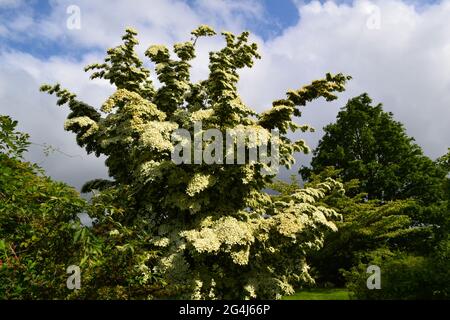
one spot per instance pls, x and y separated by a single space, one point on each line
219 234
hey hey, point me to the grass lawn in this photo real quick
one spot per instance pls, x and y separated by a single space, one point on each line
320 294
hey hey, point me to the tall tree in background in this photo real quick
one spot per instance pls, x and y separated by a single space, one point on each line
396 204
409 273
367 144
220 235
367 226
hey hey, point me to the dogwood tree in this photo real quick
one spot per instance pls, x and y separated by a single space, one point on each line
219 234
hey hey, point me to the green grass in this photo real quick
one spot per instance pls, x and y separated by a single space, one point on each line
319 294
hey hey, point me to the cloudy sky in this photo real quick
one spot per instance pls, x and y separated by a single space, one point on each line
398 51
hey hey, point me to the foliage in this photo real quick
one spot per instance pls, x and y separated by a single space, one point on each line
117 261
367 144
397 202
218 233
12 143
444 161
366 226
37 220
405 276
41 235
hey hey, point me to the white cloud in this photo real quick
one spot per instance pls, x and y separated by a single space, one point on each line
405 63
21 76
10 3
161 21
21 23
102 25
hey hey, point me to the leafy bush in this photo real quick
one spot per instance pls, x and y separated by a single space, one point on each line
366 226
405 276
41 235
37 221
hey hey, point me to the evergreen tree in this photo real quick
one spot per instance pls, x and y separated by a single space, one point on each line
397 199
367 144
366 226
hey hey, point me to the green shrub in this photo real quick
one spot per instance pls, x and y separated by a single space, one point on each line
405 276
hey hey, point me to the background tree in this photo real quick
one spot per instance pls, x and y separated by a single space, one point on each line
421 269
367 144
220 235
366 226
396 208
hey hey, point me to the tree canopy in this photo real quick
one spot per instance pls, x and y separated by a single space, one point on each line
367 144
192 208
219 234
395 211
